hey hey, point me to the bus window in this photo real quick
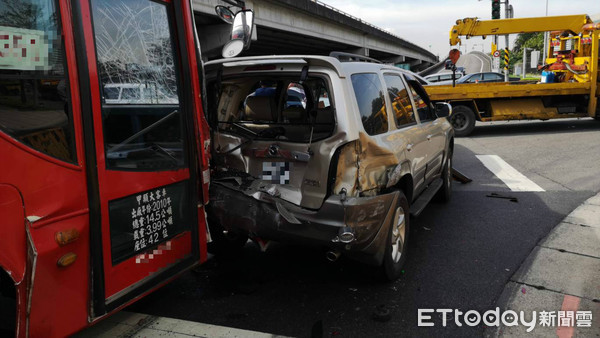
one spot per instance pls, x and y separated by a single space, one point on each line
142 124
34 95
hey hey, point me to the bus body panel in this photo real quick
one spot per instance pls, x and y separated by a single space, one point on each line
42 196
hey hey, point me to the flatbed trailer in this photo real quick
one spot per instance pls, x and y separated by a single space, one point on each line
572 56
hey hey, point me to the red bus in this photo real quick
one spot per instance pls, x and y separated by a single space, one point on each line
103 173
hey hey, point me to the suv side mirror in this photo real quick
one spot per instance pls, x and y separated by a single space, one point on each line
443 109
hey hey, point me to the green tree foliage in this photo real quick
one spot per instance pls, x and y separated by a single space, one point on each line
525 40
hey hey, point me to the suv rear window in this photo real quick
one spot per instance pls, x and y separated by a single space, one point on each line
276 107
371 102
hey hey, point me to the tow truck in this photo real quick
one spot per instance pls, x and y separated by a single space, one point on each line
571 63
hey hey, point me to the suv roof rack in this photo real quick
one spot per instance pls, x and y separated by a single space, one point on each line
349 57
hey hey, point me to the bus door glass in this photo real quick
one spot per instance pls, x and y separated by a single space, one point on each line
143 147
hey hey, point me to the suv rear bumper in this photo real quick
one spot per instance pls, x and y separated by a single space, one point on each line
267 217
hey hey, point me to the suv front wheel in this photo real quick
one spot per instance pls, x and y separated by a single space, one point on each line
396 245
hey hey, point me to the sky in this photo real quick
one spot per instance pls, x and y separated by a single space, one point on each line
427 23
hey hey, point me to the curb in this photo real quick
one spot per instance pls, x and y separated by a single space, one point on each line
562 273
129 324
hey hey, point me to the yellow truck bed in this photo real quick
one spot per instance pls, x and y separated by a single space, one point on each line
470 91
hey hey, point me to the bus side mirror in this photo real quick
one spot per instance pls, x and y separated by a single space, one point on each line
241 33
443 109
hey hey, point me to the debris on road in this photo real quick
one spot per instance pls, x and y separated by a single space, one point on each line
457 175
382 313
510 198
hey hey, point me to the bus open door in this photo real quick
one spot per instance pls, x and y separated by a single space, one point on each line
141 153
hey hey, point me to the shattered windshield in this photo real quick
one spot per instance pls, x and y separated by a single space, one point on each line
111 93
282 108
135 50
138 74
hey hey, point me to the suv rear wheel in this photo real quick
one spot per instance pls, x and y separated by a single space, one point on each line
396 245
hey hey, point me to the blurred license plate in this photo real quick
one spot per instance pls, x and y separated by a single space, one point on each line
277 172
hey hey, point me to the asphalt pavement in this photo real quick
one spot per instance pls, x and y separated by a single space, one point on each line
560 274
463 255
475 62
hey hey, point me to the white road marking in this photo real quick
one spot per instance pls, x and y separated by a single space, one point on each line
130 324
509 175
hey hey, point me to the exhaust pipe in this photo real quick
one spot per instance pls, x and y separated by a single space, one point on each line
333 255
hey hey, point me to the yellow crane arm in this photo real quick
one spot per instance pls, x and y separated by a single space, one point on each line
472 27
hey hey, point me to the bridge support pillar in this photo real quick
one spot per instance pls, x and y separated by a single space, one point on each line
415 63
397 59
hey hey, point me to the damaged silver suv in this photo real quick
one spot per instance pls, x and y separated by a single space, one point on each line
314 150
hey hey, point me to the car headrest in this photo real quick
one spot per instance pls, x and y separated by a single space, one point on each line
325 115
258 108
294 113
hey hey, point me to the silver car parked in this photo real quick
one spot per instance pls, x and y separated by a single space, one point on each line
345 170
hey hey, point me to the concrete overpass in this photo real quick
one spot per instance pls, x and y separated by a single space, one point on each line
308 27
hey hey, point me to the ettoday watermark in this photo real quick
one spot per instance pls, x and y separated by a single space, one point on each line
493 318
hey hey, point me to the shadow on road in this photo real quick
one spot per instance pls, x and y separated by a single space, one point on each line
508 128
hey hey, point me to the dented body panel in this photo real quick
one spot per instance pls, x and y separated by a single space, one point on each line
269 217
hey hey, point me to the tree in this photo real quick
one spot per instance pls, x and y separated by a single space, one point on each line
533 40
